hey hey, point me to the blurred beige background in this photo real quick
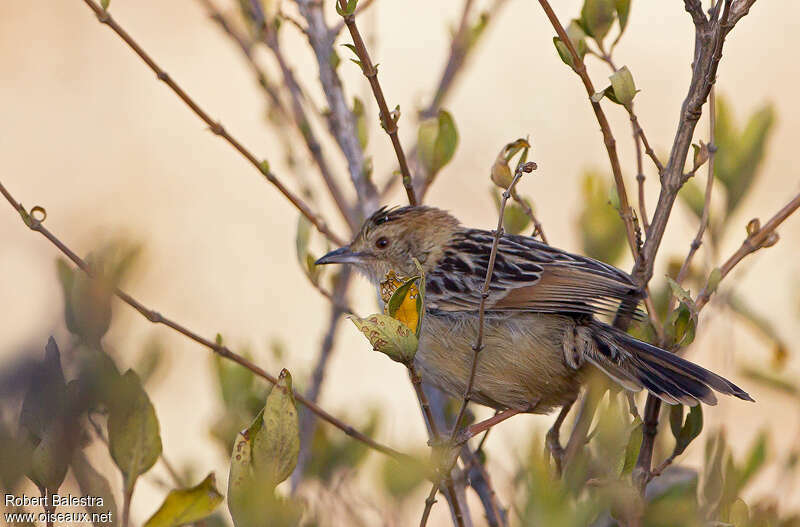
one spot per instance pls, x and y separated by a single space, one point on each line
88 133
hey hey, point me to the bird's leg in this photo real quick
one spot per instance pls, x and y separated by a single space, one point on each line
553 440
486 424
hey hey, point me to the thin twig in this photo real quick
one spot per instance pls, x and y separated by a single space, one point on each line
481 483
429 501
763 237
262 166
608 138
270 38
362 6
698 239
246 48
416 382
307 419
156 318
388 121
710 36
478 346
537 226
341 120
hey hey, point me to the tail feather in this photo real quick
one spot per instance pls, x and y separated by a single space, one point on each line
637 364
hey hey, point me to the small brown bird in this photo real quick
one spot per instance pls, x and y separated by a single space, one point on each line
540 330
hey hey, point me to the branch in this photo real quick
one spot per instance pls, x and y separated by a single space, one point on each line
416 381
762 237
638 135
269 37
341 119
156 318
608 138
246 48
262 166
388 121
461 47
307 421
710 36
478 346
362 6
698 239
709 39
537 226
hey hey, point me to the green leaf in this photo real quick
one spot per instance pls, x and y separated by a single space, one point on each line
756 457
563 52
66 276
693 197
44 401
401 479
277 444
686 432
740 152
437 139
332 452
349 9
515 220
133 433
632 448
597 17
50 458
361 122
739 514
602 230
716 452
105 4
264 167
184 506
92 483
389 336
680 326
623 86
714 278
623 11
577 38
90 300
679 292
264 455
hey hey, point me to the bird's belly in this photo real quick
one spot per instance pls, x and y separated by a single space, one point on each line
521 366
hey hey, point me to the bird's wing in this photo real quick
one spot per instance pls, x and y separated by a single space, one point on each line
528 275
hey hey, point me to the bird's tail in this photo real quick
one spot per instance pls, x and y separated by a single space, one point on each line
636 364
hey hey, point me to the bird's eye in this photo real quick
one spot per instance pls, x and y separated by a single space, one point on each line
382 242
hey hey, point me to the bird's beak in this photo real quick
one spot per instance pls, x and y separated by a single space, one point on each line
341 256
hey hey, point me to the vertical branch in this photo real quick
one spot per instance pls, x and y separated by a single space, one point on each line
308 420
698 239
388 121
710 36
608 138
478 346
458 514
341 119
303 124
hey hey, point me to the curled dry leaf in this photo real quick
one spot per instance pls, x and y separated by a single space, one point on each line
389 336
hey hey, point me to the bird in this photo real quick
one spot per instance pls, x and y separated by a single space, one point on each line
543 326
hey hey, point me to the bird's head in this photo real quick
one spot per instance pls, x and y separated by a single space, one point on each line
391 239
